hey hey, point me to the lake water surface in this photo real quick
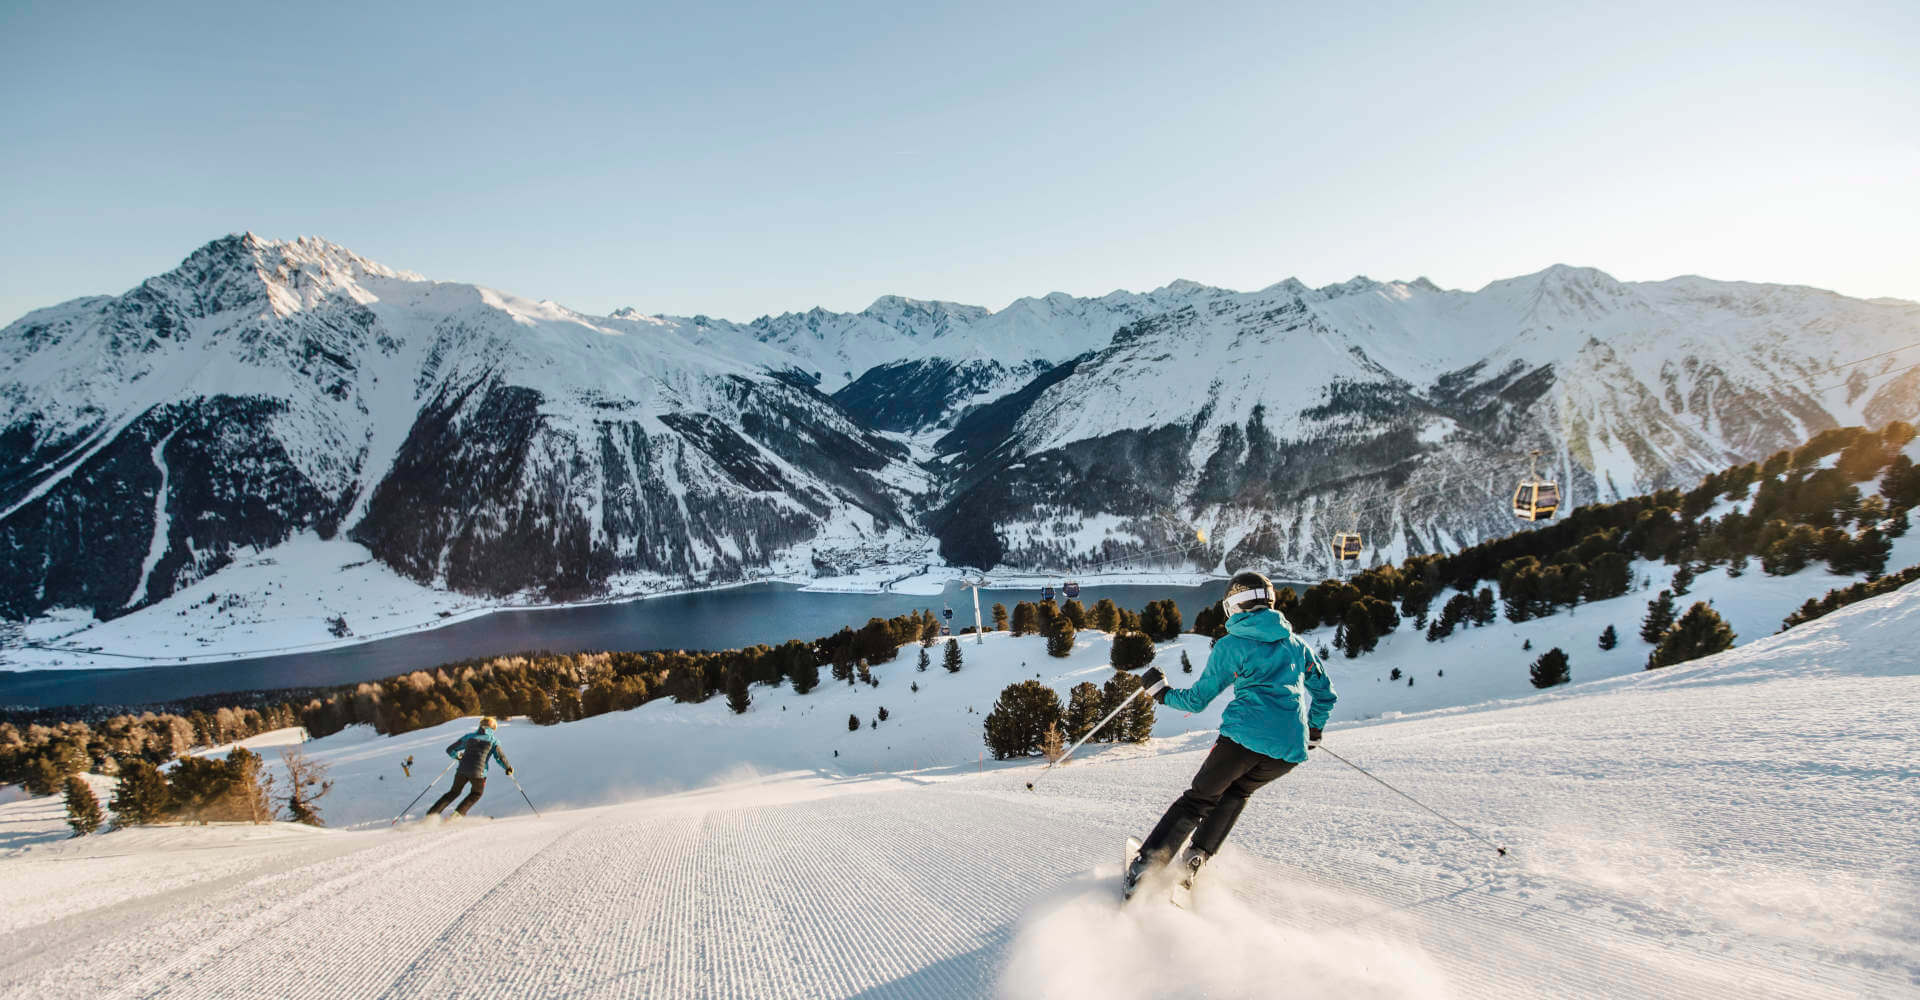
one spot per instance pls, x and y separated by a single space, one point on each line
722 619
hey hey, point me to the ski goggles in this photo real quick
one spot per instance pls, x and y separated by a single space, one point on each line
1232 603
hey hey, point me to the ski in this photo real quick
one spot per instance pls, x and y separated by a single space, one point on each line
1126 865
1181 895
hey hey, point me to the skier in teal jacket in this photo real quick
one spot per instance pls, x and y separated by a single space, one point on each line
1265 732
475 751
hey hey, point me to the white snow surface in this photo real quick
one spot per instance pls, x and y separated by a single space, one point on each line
1741 825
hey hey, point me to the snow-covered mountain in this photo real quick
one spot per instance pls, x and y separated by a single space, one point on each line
477 441
466 437
1272 419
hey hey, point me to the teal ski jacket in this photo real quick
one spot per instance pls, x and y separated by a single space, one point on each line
1272 672
475 751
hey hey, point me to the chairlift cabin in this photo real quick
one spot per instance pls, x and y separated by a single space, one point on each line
1346 546
1536 499
1072 590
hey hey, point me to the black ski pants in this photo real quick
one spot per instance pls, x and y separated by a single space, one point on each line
1230 774
479 783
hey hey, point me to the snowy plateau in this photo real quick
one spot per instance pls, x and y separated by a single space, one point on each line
1737 826
277 438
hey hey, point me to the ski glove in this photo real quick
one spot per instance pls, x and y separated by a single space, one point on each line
1313 739
1156 684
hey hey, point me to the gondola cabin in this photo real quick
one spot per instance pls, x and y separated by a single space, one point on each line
1346 546
1536 501
946 613
1072 590
1046 592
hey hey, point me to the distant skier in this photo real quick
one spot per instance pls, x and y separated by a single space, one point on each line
474 751
1265 731
406 766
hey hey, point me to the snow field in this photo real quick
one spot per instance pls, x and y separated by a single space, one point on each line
1736 826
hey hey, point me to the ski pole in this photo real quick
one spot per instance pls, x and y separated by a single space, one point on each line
424 791
523 793
1102 724
1501 850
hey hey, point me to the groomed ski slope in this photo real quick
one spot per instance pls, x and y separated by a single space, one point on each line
1740 826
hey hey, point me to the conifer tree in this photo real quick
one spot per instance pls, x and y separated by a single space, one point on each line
1060 638
805 675
1044 615
1025 618
1170 621
1135 725
1357 635
1699 632
1018 724
1076 613
738 697
925 660
540 710
1106 615
1151 621
1609 638
1660 613
83 809
1210 621
1186 665
853 723
999 617
1131 651
882 714
1083 710
1550 669
142 797
952 656
1683 579
1483 609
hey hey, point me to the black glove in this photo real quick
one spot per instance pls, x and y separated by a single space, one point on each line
1153 679
1313 739
509 772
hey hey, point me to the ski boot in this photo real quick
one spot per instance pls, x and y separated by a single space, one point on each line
1137 872
1191 861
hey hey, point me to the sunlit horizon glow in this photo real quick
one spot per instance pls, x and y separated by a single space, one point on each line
742 160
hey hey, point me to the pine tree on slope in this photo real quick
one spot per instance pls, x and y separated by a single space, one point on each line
83 809
1699 632
1660 612
1550 669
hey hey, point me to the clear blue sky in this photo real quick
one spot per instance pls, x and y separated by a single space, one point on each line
743 159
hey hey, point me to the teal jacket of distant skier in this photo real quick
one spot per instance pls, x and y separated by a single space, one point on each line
1273 674
475 751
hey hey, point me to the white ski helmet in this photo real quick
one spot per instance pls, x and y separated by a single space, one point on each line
1245 592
